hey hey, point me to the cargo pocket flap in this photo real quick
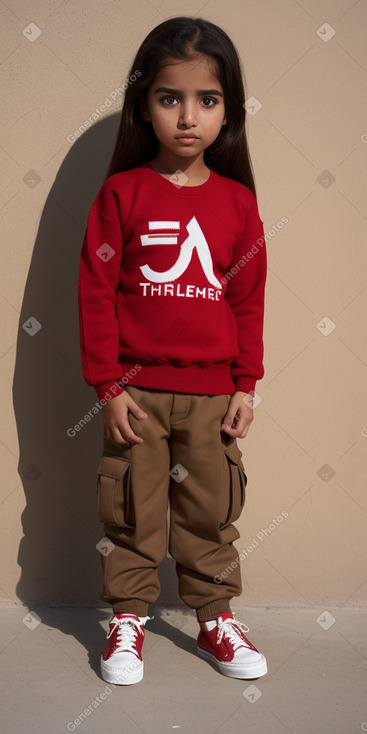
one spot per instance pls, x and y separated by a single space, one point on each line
236 481
234 454
112 466
115 501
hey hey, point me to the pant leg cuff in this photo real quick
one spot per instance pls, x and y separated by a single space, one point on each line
213 610
131 606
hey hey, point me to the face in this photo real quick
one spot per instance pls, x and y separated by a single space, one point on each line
185 98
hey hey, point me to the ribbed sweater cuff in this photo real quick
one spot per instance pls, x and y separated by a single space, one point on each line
108 390
245 384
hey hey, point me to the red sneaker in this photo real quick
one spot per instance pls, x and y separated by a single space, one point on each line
122 660
223 642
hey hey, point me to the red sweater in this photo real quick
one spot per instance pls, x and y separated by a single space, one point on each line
171 286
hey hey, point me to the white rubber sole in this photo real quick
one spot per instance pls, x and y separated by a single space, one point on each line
231 670
122 676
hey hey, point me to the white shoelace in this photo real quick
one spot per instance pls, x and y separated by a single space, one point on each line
127 633
232 629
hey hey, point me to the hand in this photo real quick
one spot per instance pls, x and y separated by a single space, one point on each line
115 418
239 415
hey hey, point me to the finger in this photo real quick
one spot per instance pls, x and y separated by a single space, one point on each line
119 440
229 431
236 433
245 428
134 408
238 430
124 434
229 420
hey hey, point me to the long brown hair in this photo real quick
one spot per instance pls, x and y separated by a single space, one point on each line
184 38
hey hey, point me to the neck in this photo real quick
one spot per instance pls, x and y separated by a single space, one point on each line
167 164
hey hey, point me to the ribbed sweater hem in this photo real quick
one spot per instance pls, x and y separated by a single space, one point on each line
213 380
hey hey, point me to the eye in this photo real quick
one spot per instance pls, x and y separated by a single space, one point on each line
209 99
164 99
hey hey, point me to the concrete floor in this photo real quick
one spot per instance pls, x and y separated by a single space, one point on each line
316 680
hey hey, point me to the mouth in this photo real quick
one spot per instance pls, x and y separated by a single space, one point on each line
187 139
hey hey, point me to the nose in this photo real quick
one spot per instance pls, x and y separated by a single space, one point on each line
187 115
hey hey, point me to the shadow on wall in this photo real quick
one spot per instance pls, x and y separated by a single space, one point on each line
60 564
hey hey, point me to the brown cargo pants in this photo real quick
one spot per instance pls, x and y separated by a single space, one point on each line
185 462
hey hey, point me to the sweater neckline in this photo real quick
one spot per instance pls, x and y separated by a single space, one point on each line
181 190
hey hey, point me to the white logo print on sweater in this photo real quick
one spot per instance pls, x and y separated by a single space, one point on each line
194 240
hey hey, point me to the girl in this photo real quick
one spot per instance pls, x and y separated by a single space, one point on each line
171 302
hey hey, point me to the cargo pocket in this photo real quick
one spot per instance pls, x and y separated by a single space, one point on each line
234 485
114 491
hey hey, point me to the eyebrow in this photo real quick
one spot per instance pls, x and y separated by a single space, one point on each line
200 92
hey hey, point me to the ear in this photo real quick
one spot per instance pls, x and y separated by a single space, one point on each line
144 110
224 121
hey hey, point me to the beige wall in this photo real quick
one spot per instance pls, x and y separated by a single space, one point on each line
305 453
